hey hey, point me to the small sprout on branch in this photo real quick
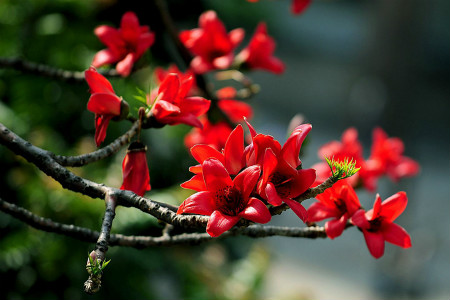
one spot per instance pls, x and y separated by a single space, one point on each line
95 269
342 169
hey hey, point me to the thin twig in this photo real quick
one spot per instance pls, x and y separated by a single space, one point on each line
93 283
22 65
84 159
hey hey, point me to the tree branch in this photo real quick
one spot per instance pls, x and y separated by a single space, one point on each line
84 159
161 211
87 235
93 283
48 71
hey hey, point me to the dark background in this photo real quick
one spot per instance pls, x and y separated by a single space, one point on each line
349 63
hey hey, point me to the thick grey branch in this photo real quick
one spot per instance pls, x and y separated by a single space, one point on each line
84 159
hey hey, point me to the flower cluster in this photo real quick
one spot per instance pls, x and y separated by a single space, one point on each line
213 47
235 180
263 171
386 158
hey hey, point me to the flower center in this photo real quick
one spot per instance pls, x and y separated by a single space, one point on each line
340 204
229 201
375 224
280 182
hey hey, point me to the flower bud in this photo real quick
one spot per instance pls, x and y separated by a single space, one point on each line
135 171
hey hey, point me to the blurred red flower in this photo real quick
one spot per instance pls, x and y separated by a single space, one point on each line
125 45
259 53
211 44
377 224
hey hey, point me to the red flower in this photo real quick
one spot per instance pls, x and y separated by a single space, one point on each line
388 153
103 102
211 43
339 202
214 135
125 45
348 148
171 106
226 201
258 54
377 224
281 180
298 6
135 172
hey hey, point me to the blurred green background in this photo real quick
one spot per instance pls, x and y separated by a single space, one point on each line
349 63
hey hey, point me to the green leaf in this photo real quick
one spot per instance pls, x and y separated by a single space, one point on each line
105 263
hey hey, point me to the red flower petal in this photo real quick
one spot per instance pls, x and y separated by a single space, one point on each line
236 36
125 66
271 195
202 152
350 198
335 227
196 183
163 109
168 90
297 208
104 57
359 219
110 37
319 211
97 82
223 62
104 104
234 151
246 180
196 106
235 110
215 175
199 203
218 223
291 148
300 183
375 243
393 206
129 27
298 6
269 165
396 235
376 210
144 42
101 125
256 211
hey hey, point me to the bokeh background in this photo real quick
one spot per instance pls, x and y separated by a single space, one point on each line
360 63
